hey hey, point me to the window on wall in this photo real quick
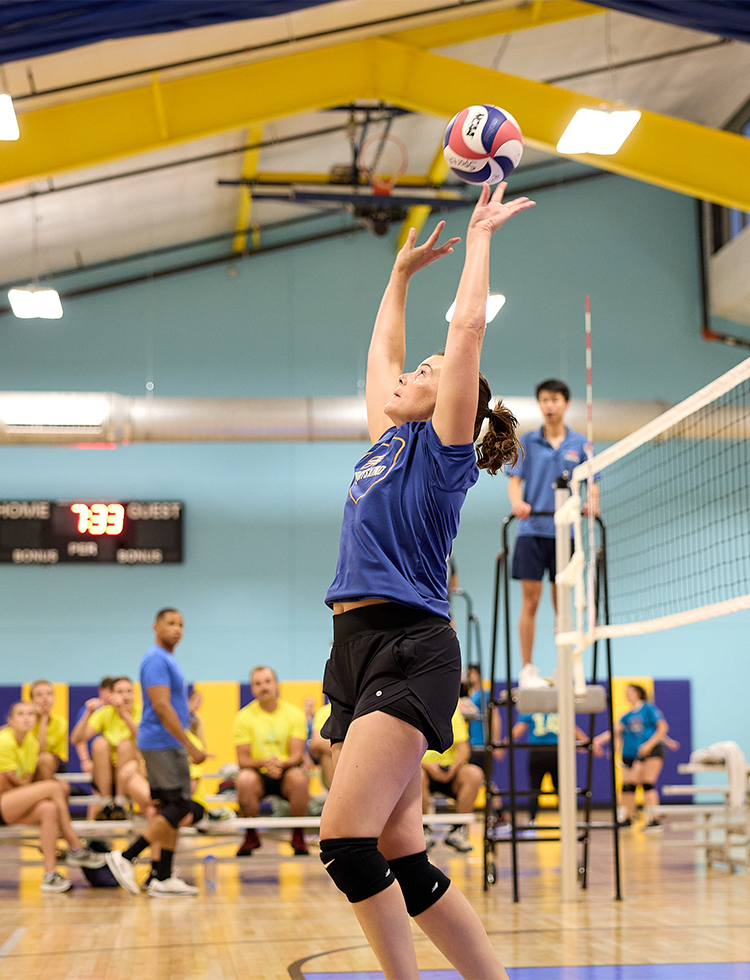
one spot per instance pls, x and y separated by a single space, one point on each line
727 223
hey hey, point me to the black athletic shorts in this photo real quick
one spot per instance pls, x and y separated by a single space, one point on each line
442 789
656 753
393 658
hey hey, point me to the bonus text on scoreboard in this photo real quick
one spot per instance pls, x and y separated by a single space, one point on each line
121 532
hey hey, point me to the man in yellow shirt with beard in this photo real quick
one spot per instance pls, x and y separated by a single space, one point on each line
270 737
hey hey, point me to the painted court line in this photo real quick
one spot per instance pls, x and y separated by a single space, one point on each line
13 939
639 971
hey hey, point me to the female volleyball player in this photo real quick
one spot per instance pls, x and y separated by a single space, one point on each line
642 734
394 671
44 803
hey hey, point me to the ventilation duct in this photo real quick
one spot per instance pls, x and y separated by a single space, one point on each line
65 418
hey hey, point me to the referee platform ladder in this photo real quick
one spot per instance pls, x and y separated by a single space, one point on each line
597 699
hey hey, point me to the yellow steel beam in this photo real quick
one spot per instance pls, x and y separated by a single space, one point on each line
96 130
682 156
249 170
419 213
467 28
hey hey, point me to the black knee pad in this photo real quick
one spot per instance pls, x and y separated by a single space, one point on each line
628 787
356 865
422 883
647 787
173 806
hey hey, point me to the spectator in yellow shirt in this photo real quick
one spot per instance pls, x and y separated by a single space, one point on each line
113 759
451 774
270 737
50 730
44 803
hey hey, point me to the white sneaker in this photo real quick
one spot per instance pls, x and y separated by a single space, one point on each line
123 871
459 839
54 882
171 887
84 857
429 838
528 677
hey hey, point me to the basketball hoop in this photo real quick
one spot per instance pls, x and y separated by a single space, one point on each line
382 159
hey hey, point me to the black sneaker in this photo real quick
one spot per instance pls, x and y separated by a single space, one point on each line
298 841
627 822
106 813
653 827
117 812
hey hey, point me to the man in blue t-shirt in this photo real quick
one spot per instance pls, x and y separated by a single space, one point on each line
552 451
165 747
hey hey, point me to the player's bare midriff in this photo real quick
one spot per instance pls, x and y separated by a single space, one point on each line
342 607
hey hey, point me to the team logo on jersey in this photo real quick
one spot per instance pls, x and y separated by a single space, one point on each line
371 469
573 456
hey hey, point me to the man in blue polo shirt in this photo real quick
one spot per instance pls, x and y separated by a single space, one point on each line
549 452
165 748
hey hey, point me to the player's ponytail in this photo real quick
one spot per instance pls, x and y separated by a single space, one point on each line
500 444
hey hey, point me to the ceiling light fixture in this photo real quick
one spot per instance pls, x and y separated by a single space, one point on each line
32 303
495 303
599 131
8 122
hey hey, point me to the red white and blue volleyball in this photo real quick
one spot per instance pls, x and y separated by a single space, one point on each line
483 144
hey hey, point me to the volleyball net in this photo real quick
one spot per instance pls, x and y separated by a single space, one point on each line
675 499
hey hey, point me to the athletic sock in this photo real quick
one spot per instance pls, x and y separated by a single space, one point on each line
163 867
135 849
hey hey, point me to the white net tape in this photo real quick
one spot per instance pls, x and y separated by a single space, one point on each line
675 499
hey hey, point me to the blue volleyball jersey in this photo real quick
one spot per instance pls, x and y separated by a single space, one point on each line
400 519
539 467
638 727
543 728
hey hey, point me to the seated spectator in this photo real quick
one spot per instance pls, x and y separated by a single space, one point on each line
83 749
320 748
117 722
195 722
270 737
50 730
543 730
44 803
451 774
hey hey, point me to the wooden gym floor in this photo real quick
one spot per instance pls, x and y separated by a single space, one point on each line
275 916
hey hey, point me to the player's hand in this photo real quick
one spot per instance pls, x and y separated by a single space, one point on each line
586 510
117 703
522 510
412 258
92 704
87 765
491 213
643 751
498 754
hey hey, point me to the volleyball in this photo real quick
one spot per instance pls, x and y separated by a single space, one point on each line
483 144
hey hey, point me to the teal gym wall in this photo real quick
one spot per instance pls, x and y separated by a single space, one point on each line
262 519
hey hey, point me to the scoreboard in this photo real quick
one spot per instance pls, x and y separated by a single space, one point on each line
122 532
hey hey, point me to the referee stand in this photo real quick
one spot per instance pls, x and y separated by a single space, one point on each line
503 695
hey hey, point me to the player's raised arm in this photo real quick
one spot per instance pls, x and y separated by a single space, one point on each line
456 406
385 358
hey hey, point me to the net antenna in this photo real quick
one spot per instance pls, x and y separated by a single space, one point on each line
675 495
